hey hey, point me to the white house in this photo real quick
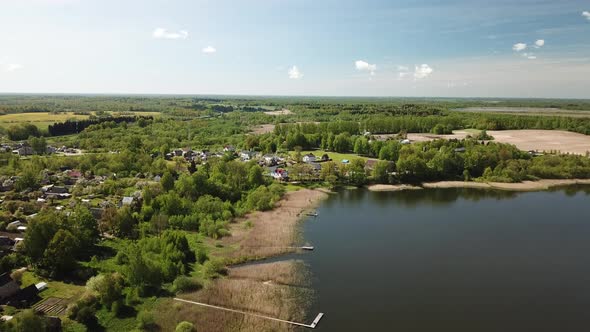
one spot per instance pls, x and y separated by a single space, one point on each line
280 174
247 155
309 158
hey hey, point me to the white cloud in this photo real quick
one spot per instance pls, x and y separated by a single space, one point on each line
586 14
403 74
422 71
161 33
402 68
12 66
294 73
519 47
530 56
209 50
9 66
365 66
539 43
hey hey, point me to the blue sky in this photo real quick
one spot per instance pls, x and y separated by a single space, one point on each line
463 48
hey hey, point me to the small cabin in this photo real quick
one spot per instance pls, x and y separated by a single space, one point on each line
309 158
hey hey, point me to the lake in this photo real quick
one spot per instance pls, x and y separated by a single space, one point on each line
451 260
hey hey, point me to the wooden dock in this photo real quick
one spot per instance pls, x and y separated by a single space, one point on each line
313 324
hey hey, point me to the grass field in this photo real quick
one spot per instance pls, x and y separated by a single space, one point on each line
44 119
335 156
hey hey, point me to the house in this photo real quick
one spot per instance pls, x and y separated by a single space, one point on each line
270 160
8 287
23 151
127 201
309 158
7 185
316 167
24 297
229 148
460 150
13 225
6 243
247 155
405 141
280 174
21 228
52 191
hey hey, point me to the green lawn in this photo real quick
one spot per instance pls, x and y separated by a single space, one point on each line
58 289
335 156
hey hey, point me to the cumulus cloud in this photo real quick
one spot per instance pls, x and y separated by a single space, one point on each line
365 66
530 56
295 73
161 33
9 66
586 14
539 43
209 50
12 66
422 71
519 47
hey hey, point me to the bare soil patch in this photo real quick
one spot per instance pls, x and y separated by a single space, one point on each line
272 232
544 140
524 139
520 186
263 129
392 187
284 111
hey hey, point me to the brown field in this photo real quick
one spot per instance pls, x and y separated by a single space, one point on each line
273 289
536 111
544 140
284 111
521 186
263 129
525 139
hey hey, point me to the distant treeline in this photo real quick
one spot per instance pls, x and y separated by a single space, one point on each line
76 126
379 124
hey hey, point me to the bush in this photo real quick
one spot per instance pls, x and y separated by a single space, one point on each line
214 268
184 284
121 258
84 311
145 320
202 256
185 327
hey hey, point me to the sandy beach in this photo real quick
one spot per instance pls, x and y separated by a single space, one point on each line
521 186
272 232
392 187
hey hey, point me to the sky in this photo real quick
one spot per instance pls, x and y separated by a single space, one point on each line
415 48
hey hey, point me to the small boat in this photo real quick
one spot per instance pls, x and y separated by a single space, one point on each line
310 248
313 214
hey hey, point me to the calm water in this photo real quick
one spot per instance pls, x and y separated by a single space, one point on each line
452 260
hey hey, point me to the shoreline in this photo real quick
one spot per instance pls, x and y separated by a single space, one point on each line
544 184
277 289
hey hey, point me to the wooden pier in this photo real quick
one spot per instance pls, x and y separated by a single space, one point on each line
313 324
